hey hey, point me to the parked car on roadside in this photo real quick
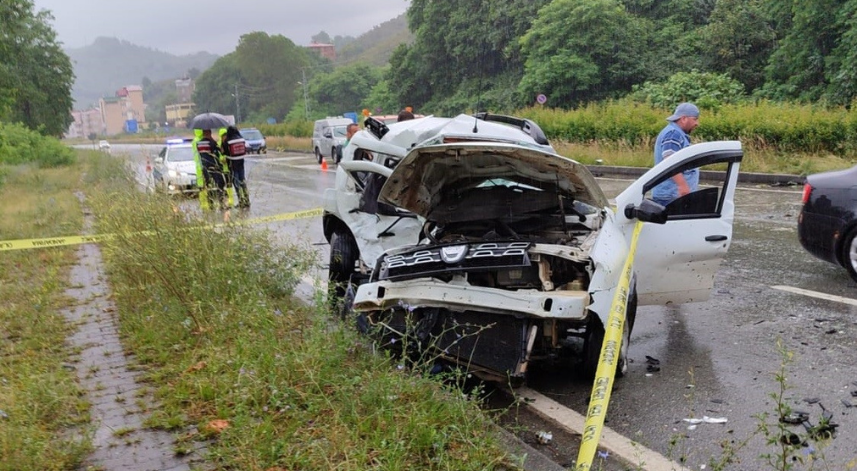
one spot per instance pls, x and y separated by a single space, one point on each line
327 135
827 224
254 141
174 169
487 247
104 146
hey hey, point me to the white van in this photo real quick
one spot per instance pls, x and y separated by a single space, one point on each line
327 134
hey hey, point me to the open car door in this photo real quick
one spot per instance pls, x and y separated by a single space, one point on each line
676 261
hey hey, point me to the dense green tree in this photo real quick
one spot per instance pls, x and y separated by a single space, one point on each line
343 90
271 66
797 68
36 76
257 80
841 67
583 50
739 40
459 43
321 38
215 88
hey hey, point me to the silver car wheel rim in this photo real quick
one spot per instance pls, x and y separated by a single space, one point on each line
852 253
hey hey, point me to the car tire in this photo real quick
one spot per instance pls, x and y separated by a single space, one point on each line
343 256
849 254
595 338
318 155
333 155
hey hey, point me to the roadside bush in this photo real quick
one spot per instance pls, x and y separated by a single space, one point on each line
703 88
781 127
299 128
20 145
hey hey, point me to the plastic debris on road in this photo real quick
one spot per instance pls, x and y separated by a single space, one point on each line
544 437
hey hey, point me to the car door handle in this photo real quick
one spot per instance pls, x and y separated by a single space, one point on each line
715 238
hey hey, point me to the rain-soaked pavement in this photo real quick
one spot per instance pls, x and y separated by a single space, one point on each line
716 359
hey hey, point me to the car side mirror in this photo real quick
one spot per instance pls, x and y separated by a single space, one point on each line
648 211
328 134
159 160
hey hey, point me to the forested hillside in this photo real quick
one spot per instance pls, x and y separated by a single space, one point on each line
578 51
109 64
377 45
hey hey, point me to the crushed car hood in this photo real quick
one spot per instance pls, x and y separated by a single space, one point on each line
426 178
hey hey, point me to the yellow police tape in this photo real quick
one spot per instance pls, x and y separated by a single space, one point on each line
24 244
607 362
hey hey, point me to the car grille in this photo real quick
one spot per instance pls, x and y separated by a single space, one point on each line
450 258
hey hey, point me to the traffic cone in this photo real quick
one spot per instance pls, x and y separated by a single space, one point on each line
324 164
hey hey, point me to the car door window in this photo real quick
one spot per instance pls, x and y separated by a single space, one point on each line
707 200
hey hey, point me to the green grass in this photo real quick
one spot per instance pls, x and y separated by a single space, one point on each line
210 315
46 417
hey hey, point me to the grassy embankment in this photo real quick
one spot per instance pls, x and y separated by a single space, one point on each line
232 358
40 400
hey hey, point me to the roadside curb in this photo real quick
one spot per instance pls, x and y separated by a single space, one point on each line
630 452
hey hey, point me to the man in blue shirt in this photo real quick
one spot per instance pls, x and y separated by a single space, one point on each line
673 138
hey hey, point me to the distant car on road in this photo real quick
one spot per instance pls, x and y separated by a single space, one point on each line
255 141
328 134
174 171
827 225
104 146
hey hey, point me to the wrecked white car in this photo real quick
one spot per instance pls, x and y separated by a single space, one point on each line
514 252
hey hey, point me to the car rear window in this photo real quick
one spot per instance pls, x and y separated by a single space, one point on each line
251 134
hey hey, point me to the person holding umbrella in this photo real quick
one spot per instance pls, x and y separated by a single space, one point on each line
210 173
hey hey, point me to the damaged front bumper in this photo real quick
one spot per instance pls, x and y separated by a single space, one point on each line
494 332
381 295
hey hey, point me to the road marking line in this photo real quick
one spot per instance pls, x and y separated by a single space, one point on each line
628 450
816 294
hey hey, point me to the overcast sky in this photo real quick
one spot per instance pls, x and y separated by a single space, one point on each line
188 26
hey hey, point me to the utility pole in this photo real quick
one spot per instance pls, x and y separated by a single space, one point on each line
237 106
306 103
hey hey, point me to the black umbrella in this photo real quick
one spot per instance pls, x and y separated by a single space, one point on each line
209 121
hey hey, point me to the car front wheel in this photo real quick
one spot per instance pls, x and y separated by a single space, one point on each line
343 256
318 155
595 338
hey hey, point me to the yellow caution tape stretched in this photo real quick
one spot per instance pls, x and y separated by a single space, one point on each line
607 362
24 244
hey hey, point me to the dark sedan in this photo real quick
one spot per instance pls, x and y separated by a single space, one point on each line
827 225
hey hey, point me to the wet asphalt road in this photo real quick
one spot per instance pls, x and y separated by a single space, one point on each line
717 359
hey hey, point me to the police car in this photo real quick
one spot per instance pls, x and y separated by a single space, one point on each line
174 169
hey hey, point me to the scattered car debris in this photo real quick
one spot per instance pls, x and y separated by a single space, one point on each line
811 400
795 417
704 420
544 437
3 415
854 393
847 403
